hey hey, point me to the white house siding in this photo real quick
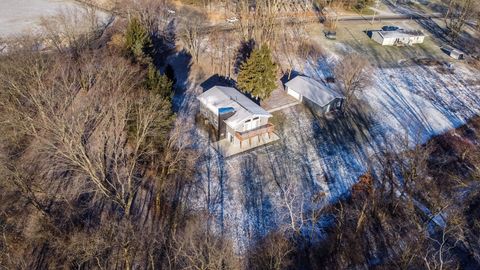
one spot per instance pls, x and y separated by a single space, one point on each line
262 121
390 41
294 94
411 40
378 38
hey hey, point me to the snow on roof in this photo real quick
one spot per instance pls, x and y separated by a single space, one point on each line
220 97
401 33
313 90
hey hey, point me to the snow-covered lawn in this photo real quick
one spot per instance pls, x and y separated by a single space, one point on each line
251 194
17 16
24 16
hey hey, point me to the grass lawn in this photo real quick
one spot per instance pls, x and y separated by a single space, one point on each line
363 11
351 36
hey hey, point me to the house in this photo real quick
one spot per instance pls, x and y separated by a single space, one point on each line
398 37
315 95
234 116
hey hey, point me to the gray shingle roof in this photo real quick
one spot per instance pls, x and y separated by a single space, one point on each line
313 90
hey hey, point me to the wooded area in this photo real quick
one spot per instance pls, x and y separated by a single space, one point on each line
95 172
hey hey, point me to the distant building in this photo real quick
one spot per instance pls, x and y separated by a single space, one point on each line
398 37
315 95
455 54
234 116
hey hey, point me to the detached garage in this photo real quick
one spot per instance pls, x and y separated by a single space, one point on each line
315 95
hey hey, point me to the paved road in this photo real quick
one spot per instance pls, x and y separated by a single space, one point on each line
292 20
414 16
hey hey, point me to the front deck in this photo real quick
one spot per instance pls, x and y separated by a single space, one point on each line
257 132
227 149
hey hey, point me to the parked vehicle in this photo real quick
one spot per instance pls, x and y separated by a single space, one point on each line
331 35
390 28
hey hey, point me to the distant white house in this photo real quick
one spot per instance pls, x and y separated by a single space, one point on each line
398 37
234 116
315 95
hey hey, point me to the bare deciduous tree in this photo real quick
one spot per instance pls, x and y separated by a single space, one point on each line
72 29
79 120
196 248
352 75
458 13
271 253
258 21
191 33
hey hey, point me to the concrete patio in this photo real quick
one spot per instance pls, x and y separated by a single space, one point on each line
226 149
279 100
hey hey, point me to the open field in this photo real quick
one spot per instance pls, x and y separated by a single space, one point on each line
18 16
23 16
352 36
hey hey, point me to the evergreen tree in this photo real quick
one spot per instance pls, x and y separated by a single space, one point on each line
137 39
157 83
257 75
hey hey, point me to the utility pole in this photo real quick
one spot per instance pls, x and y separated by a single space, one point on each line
375 11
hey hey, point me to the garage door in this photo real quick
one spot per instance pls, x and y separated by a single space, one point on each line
293 94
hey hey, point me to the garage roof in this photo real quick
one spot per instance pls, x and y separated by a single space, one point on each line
313 90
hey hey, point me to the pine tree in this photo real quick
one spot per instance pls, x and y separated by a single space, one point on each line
257 75
157 83
137 39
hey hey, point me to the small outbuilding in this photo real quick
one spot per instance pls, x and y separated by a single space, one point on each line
454 53
315 95
398 37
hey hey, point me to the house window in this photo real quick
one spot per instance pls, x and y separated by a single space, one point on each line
256 122
247 125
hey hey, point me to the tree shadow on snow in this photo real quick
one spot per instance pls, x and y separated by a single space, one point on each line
257 205
181 63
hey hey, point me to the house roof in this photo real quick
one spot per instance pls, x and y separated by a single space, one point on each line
313 90
401 33
220 98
